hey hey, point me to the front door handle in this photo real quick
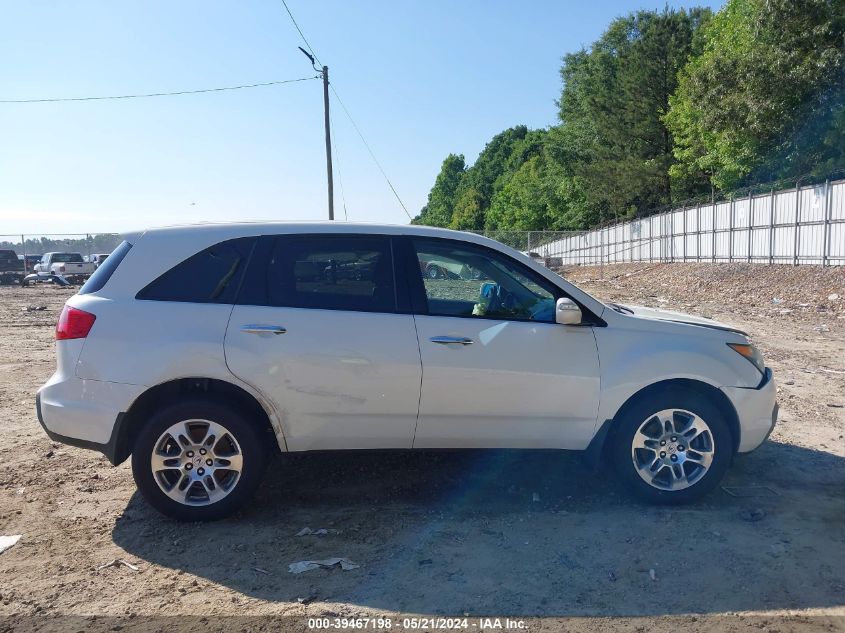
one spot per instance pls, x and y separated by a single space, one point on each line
451 340
263 329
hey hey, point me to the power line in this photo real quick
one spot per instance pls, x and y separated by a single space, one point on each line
160 94
372 155
349 116
301 34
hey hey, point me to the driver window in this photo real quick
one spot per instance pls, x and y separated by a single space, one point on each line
468 282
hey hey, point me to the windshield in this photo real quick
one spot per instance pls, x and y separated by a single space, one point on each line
69 258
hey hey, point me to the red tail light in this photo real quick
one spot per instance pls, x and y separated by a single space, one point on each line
74 323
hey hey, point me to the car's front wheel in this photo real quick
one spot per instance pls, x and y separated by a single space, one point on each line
199 460
671 447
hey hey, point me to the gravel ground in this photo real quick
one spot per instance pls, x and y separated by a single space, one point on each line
508 533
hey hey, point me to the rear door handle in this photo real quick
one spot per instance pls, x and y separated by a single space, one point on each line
451 340
263 329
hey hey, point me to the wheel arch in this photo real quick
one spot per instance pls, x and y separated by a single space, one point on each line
715 395
171 391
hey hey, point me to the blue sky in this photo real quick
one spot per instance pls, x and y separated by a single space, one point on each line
421 79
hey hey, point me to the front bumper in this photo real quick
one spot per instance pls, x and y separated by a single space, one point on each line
757 411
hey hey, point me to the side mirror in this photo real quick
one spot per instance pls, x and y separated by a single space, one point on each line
567 312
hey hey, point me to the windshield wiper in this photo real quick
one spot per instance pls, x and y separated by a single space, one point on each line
620 308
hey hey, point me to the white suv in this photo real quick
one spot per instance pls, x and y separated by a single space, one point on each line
200 350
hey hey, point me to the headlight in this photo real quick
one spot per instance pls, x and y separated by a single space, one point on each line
751 353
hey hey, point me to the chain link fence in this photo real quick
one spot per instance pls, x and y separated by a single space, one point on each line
798 225
538 244
86 244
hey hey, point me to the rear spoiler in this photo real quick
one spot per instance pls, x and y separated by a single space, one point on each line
132 236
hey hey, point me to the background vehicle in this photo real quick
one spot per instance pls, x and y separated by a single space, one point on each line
29 261
255 337
96 258
439 269
71 266
11 268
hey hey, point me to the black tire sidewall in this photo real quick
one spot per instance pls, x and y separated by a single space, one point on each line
249 435
671 398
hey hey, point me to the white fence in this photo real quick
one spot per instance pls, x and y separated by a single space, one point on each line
802 225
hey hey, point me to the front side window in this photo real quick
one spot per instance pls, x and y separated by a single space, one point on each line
211 276
467 281
332 273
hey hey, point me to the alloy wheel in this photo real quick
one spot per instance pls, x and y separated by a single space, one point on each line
672 449
196 462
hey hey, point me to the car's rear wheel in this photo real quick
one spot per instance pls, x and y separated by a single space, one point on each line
199 460
671 447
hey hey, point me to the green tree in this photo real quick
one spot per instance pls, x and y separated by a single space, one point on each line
662 107
764 99
461 195
538 196
441 200
469 211
494 162
612 106
523 203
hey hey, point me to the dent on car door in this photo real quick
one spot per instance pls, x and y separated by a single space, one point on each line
318 332
497 370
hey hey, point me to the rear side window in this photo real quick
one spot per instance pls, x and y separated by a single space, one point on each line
210 276
352 272
104 271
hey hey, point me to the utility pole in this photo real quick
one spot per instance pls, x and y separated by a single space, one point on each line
325 75
328 140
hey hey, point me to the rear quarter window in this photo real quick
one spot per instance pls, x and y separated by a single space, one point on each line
210 276
105 270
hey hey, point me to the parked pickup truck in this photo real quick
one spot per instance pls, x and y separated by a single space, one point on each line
71 266
29 262
11 268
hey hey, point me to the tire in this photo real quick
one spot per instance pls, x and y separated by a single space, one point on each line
433 272
224 434
702 450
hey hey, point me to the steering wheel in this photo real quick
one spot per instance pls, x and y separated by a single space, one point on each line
501 301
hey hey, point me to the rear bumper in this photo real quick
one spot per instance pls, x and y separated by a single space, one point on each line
85 413
757 411
108 449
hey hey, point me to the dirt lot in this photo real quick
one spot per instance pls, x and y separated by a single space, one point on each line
477 533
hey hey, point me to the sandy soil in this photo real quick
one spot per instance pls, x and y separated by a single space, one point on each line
479 533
